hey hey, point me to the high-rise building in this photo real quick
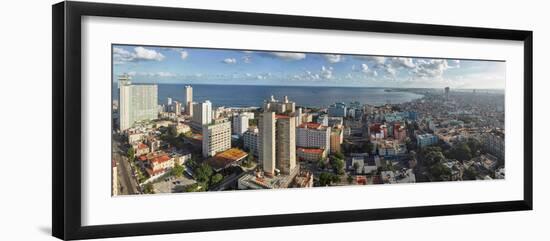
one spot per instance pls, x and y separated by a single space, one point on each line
216 137
277 134
447 90
240 124
337 110
313 135
177 107
298 116
336 139
202 113
168 101
188 100
137 102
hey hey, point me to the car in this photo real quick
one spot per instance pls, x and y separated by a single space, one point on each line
178 182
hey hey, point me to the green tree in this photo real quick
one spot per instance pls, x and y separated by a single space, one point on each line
338 155
203 173
130 153
440 171
216 179
460 151
325 179
178 170
350 179
433 157
148 188
335 178
337 165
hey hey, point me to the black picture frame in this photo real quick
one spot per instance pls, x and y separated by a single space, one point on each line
66 76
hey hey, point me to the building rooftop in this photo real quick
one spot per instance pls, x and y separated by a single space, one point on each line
226 158
310 125
310 150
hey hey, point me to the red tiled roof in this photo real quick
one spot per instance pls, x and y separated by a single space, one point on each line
310 125
282 116
311 150
160 159
142 146
153 173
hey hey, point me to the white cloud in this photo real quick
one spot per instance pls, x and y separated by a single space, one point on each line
430 68
289 56
365 68
147 54
400 62
247 59
326 72
230 61
184 54
373 59
121 56
333 58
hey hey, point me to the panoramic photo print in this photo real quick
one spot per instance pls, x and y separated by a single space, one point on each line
201 119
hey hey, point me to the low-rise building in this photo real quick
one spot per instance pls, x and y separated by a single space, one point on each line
310 154
251 140
424 140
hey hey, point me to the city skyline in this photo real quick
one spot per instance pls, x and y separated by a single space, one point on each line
164 65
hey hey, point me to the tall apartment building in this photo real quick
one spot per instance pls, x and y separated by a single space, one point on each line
313 135
240 124
137 102
188 100
251 140
277 132
336 139
177 107
216 137
202 113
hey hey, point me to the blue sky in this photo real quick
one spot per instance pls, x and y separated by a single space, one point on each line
148 64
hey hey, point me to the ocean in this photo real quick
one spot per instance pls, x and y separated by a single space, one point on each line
248 96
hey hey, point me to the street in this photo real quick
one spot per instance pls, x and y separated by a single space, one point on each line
128 183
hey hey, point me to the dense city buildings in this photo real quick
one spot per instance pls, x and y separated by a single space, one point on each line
136 102
239 137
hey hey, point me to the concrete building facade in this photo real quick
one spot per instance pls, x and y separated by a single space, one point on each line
137 102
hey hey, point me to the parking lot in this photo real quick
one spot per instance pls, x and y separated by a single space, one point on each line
172 184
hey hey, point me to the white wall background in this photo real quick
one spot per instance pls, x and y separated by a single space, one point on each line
25 56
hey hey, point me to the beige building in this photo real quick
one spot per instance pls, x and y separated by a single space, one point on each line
136 102
188 101
336 139
216 137
277 132
313 135
114 178
311 154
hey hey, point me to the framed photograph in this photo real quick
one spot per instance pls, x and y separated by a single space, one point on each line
169 120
